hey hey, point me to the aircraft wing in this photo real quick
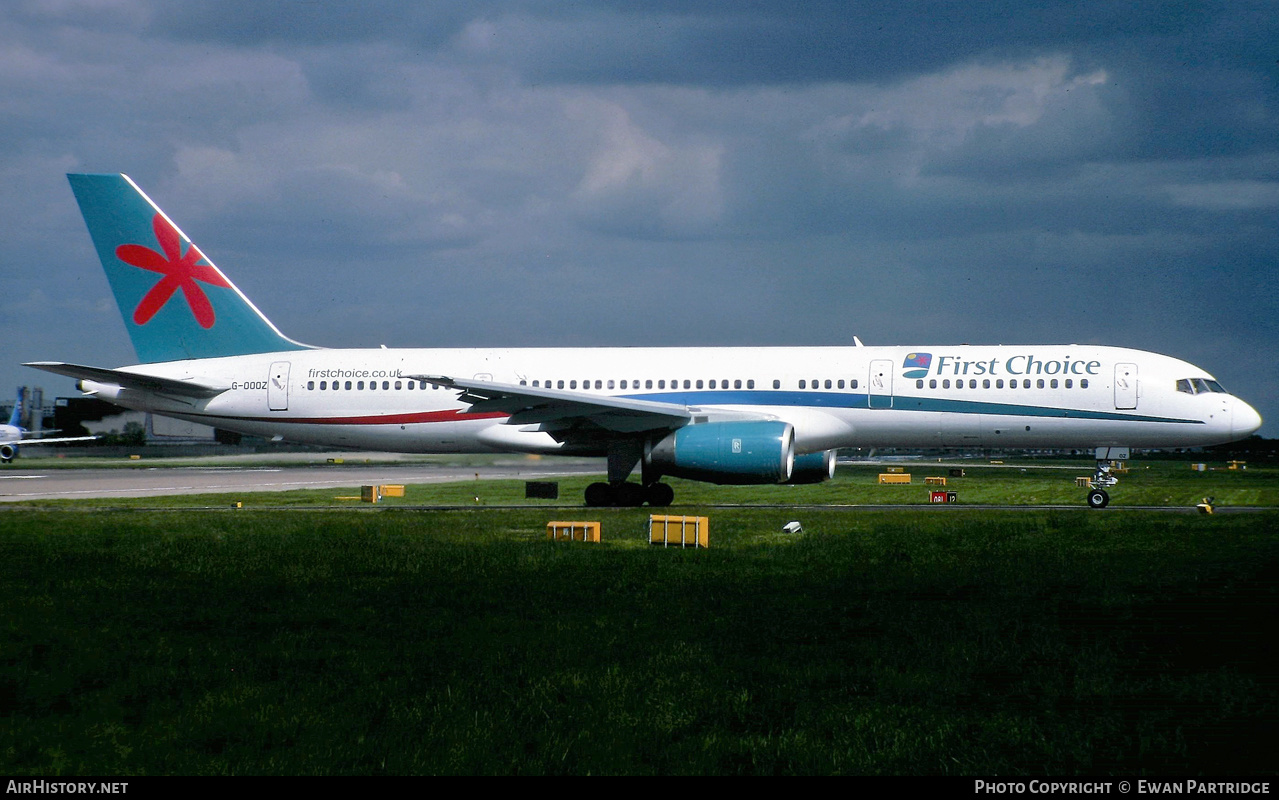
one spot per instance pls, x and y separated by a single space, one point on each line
37 440
131 380
556 409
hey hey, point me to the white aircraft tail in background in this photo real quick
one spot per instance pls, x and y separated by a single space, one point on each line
13 434
729 415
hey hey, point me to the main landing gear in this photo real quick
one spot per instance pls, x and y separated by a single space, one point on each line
623 455
629 495
1101 480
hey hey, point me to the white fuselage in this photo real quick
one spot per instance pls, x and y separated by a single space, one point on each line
1066 396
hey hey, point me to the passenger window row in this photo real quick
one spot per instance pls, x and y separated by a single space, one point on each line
688 383
372 385
827 384
1025 383
648 384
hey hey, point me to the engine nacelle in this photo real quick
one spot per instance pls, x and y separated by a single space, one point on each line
103 391
813 468
726 452
7 452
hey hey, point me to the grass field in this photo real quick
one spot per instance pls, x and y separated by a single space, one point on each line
952 641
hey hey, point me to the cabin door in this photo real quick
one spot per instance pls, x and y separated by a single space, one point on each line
1125 386
277 387
879 389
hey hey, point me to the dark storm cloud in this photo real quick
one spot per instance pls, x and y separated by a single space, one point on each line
303 22
734 43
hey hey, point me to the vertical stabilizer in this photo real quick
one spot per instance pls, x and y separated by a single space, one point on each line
176 304
15 419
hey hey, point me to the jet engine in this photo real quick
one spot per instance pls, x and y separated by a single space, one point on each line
813 467
726 452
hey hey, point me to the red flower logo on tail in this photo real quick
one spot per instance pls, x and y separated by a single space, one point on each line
180 272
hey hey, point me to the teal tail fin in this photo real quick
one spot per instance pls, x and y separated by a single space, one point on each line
176 304
15 419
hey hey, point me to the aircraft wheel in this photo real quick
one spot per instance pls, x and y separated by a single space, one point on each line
1098 498
628 495
660 495
598 495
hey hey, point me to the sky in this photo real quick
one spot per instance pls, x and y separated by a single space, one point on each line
723 172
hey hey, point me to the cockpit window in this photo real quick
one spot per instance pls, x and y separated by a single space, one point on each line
1199 386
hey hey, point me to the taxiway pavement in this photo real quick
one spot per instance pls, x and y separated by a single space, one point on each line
17 484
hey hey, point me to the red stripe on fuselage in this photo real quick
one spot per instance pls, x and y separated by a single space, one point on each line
383 419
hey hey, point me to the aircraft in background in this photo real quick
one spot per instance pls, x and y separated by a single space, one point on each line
728 415
13 434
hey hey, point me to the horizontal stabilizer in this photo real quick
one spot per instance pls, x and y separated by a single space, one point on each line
130 380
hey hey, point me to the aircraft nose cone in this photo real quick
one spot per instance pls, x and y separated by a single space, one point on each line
1244 420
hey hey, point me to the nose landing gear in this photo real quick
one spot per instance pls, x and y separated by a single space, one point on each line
1102 479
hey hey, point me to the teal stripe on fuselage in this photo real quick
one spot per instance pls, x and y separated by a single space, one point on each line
737 397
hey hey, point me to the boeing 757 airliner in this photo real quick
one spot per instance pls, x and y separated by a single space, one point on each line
728 415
